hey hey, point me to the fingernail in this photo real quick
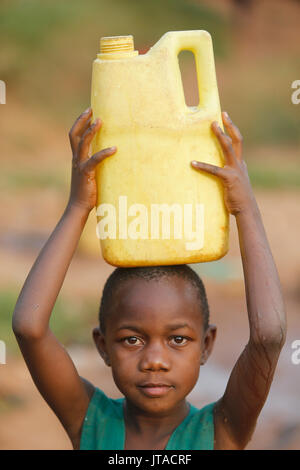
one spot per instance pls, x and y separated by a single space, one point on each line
112 148
226 115
87 110
193 162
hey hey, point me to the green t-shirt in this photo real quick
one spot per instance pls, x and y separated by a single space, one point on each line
104 427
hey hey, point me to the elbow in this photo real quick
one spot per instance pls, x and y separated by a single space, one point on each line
26 331
271 339
279 337
270 330
276 340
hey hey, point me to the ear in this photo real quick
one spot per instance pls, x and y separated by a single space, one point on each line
208 342
99 340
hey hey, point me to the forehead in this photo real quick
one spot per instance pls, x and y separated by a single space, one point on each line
158 301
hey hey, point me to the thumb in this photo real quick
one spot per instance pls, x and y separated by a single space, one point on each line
93 161
212 169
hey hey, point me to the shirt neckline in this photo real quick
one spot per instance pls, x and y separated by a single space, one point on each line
180 425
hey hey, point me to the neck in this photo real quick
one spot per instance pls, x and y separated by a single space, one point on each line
158 425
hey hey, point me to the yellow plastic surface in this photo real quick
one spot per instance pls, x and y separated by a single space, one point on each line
140 99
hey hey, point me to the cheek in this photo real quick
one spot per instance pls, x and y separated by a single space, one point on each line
121 355
124 375
188 365
123 364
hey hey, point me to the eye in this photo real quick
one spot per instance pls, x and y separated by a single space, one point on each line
132 341
179 340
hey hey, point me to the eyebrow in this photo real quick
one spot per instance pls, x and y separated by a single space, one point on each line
129 327
176 326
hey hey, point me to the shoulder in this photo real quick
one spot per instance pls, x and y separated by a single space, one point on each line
196 432
100 407
203 416
89 387
75 433
102 426
100 403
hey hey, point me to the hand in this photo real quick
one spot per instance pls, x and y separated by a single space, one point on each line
83 191
238 193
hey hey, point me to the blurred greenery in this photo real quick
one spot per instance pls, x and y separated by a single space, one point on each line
47 50
31 25
71 320
10 402
274 123
273 178
261 176
22 178
267 115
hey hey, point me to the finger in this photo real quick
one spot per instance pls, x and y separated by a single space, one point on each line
225 142
212 169
79 128
93 161
235 134
80 121
86 139
76 139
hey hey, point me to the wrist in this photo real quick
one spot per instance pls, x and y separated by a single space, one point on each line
249 221
78 209
249 211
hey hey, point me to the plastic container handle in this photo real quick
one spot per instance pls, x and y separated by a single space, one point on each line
199 42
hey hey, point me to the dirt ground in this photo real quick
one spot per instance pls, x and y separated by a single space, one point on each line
26 421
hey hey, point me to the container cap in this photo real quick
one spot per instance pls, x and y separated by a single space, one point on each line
116 44
117 47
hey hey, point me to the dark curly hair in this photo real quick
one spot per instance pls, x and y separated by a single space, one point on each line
148 273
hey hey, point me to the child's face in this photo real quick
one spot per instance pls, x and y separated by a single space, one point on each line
155 342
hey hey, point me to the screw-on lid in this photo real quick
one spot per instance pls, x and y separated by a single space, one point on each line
116 44
117 47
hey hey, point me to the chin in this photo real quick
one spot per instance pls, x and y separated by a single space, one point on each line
156 406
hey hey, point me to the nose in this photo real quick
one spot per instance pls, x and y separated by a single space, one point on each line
155 357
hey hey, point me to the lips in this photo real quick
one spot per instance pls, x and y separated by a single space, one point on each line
153 389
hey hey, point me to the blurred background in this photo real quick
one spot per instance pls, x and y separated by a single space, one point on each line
47 49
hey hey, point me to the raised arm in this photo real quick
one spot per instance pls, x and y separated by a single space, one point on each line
48 362
251 378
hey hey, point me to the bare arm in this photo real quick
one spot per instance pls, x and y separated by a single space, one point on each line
49 363
251 378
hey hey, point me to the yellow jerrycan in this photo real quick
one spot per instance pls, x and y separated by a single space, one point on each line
153 207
